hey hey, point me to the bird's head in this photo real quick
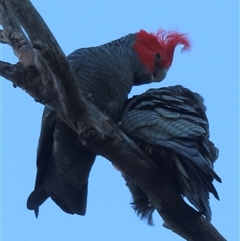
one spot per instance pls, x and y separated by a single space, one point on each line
156 50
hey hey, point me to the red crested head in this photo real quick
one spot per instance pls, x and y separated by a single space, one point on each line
161 45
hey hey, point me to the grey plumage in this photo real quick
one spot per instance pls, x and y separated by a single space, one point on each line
106 73
171 126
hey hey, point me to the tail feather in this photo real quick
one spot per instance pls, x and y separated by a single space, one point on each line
141 202
36 199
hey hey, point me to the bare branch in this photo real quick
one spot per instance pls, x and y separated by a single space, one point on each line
3 37
14 36
49 80
51 65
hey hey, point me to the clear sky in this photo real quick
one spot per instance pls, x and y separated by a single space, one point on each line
211 69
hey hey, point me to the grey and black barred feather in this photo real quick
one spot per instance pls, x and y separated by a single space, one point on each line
171 126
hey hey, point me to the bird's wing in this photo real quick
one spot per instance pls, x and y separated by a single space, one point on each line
63 165
44 152
173 119
171 124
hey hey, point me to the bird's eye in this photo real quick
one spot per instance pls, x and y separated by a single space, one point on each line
158 56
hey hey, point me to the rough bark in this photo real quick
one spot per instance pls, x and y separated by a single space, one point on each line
43 72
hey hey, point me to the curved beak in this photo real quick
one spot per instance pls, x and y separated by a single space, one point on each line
158 74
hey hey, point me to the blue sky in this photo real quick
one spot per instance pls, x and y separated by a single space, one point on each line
211 69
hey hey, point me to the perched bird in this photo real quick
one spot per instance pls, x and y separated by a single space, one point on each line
106 74
170 125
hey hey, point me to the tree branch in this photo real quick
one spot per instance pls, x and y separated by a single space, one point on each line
44 73
14 36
